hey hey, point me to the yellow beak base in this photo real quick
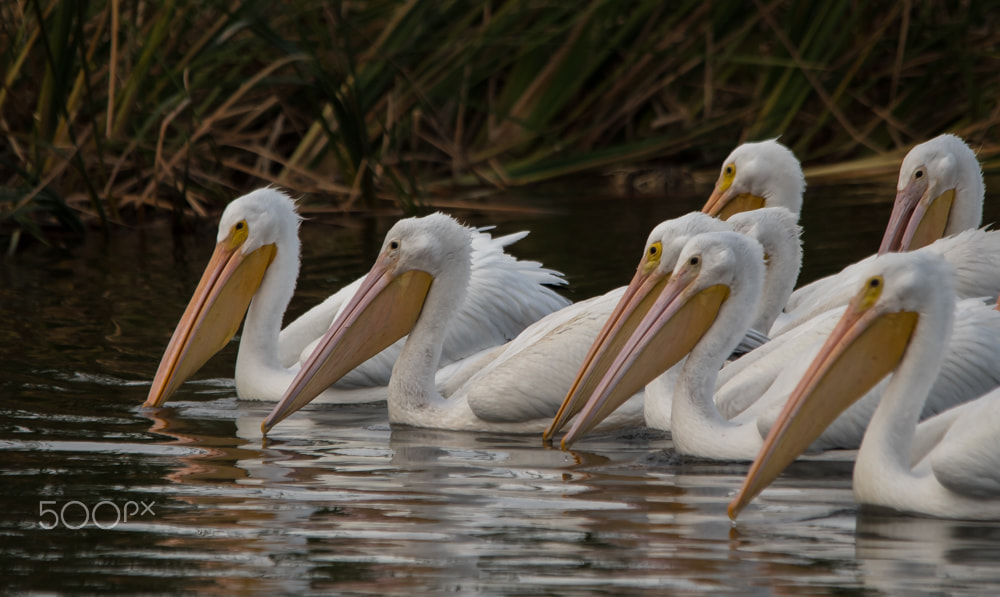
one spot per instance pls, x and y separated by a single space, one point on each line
933 220
723 206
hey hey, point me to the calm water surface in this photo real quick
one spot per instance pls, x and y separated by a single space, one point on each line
337 501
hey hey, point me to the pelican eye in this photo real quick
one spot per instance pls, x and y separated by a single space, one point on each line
871 292
652 257
694 260
239 233
728 174
394 244
919 173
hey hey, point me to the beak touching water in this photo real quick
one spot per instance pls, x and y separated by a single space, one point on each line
673 323
866 345
383 310
213 315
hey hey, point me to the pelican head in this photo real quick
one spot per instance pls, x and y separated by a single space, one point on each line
417 253
254 230
762 174
939 193
868 343
711 270
663 247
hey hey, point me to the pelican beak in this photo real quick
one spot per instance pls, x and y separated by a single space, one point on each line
213 315
639 296
670 328
866 345
724 202
383 310
918 217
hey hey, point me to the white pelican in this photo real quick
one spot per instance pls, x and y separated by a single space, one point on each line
253 270
773 227
939 194
948 466
755 175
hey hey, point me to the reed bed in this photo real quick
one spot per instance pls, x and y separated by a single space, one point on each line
111 111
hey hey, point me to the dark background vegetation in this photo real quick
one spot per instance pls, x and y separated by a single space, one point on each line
115 111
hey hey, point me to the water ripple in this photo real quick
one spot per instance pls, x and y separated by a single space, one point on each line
99 448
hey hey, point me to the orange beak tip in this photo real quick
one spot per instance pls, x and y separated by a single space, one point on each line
733 511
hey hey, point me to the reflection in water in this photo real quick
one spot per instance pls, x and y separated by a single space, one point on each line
907 553
337 501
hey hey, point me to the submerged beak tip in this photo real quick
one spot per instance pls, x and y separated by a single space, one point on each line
268 423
